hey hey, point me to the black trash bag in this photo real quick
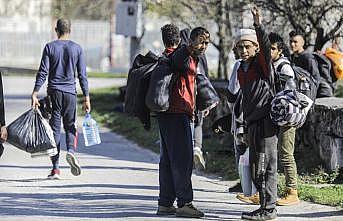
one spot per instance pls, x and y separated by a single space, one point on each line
31 132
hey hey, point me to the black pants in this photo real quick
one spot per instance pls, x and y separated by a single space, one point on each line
176 159
262 140
63 109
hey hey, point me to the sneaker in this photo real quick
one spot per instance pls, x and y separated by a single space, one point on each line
199 160
54 174
254 199
291 198
74 164
189 211
166 210
260 215
236 188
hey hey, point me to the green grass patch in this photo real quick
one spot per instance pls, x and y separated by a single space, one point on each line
106 75
331 195
219 160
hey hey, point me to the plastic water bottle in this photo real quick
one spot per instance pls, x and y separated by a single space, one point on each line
90 131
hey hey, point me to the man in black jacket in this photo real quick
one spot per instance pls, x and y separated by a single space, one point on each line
3 136
302 58
256 81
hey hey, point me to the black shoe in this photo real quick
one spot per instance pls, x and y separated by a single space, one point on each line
166 210
189 211
236 188
1 149
260 215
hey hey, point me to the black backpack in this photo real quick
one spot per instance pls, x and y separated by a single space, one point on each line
137 87
304 81
160 86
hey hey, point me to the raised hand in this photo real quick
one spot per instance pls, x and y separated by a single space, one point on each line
256 14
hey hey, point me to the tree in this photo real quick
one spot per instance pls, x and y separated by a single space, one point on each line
319 20
204 13
83 9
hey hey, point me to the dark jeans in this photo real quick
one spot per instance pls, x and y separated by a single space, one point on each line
64 109
262 140
176 159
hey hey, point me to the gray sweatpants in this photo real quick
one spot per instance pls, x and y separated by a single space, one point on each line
262 140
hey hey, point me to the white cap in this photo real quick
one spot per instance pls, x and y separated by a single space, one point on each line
246 34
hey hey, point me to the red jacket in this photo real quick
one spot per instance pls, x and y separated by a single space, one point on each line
182 98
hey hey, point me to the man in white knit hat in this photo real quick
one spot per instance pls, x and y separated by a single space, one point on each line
255 78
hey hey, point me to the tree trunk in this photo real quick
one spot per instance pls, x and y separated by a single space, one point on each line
223 62
319 40
223 34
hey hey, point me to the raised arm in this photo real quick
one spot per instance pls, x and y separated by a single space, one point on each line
264 56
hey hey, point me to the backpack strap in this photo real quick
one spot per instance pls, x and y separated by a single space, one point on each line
280 66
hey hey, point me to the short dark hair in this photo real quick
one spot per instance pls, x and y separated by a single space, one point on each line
170 35
296 32
276 38
198 31
63 26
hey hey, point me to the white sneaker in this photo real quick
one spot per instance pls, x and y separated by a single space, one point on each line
74 164
199 160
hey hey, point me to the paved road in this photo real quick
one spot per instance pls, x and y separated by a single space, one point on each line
119 181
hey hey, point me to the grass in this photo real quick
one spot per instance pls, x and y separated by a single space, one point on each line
219 160
326 194
106 75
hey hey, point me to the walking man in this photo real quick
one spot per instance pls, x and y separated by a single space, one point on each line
60 60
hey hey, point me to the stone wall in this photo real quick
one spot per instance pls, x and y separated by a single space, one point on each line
322 135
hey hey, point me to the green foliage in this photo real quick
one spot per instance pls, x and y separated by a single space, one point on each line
83 9
106 75
320 176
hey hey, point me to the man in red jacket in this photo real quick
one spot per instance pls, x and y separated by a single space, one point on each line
176 160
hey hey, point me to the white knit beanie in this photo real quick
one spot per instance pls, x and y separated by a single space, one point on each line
246 34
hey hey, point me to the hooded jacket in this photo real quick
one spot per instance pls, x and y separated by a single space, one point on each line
257 82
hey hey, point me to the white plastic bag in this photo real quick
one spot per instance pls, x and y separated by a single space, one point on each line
245 174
